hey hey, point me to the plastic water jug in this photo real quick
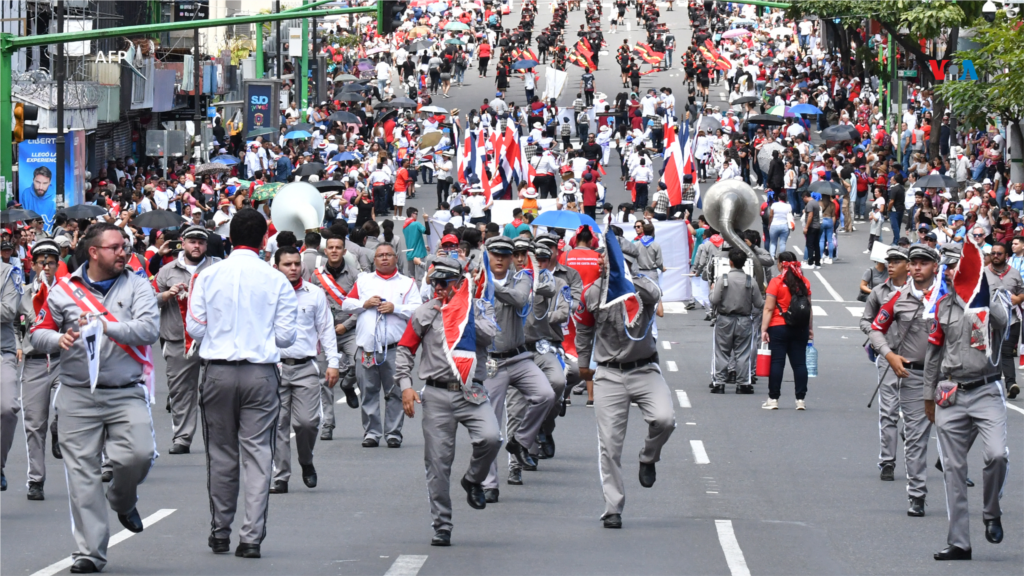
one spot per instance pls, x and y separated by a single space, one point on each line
812 360
764 361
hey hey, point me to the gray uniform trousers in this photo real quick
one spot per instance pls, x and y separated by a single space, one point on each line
119 420
516 403
572 374
300 409
347 347
443 411
732 348
917 430
377 384
888 412
10 404
521 373
183 390
613 392
36 384
984 410
240 407
755 340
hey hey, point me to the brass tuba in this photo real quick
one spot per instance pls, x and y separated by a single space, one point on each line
732 205
299 208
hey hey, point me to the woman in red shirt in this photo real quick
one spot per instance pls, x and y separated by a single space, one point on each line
786 339
484 54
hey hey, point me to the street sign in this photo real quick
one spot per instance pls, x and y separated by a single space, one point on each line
907 73
192 10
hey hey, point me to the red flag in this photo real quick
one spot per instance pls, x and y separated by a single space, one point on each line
673 167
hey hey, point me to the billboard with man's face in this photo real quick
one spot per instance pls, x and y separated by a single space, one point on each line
37 174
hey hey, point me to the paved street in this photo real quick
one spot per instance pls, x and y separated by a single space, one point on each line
740 490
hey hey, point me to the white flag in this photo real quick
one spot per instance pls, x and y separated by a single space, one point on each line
92 335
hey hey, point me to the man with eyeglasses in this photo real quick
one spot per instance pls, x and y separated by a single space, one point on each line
1001 275
452 371
40 372
114 411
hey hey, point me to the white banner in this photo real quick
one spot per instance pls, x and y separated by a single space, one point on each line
554 83
674 240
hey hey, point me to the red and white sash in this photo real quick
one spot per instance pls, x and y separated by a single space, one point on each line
331 286
190 344
90 305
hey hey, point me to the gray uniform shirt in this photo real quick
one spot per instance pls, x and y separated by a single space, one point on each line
609 326
345 281
907 322
426 332
649 257
950 354
879 295
172 325
10 307
1009 280
509 301
736 294
549 313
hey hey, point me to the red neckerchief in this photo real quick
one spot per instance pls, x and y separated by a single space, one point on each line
1005 272
407 222
297 286
516 223
249 248
389 276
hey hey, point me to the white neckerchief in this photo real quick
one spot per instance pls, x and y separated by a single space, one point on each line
191 268
919 294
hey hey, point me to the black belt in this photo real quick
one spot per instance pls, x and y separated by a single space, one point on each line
449 385
510 354
112 387
220 362
976 383
297 361
625 366
914 365
35 357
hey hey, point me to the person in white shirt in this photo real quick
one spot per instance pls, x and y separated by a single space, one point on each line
383 75
253 162
300 378
641 176
384 300
242 312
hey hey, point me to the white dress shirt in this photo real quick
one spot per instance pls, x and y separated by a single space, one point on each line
398 289
242 309
314 323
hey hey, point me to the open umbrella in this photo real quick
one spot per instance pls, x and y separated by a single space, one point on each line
304 126
226 159
840 133
565 219
766 119
297 135
397 103
329 186
936 181
805 109
744 100
430 139
211 168
418 31
524 64
84 211
433 110
347 117
438 8
309 169
736 33
20 215
159 219
421 44
826 187
262 131
266 191
780 110
456 26
350 97
346 156
344 78
764 156
365 65
455 42
708 124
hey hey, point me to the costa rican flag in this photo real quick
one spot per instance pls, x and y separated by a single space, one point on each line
510 166
673 173
460 332
619 287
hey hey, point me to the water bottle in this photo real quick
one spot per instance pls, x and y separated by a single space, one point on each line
812 360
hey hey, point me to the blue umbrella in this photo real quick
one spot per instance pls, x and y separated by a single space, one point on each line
225 159
437 8
297 135
565 219
346 156
524 64
805 109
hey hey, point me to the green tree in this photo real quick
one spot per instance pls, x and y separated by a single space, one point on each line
999 92
915 18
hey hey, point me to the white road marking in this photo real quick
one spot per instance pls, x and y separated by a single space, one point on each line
114 540
406 565
684 400
667 345
672 366
819 311
731 548
691 423
857 311
674 307
828 287
700 456
1012 407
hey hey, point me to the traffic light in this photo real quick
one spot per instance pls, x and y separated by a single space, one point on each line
22 131
390 15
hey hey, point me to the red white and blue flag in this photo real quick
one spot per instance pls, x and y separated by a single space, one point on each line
619 287
460 332
510 167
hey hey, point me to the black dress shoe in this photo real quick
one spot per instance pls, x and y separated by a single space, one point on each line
474 494
542 439
83 566
370 443
969 482
561 407
247 550
647 474
519 452
327 434
613 521
309 475
107 476
718 388
394 443
279 487
351 398
953 553
490 495
3 482
441 538
219 545
548 447
179 449
35 491
887 473
916 507
132 521
994 531
744 388
515 477
1012 391
55 448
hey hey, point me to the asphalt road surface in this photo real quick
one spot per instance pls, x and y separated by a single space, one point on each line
740 490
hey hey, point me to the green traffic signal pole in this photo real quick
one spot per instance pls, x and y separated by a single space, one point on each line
304 96
10 43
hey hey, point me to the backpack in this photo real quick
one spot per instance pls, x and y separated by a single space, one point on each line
799 313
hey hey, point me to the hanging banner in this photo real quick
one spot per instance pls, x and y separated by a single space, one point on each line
37 174
554 83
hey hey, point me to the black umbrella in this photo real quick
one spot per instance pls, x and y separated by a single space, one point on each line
84 211
342 116
708 124
350 97
304 126
769 119
396 103
329 186
421 45
356 87
159 219
745 99
18 215
840 133
936 181
309 169
260 132
827 187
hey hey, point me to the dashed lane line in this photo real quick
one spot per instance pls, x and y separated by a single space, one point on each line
819 311
666 345
828 287
856 311
731 547
700 456
672 366
684 400
406 565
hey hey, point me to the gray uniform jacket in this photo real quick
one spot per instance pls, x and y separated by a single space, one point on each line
1010 280
131 300
907 322
426 332
737 295
509 302
30 315
172 325
363 256
345 280
10 306
608 324
950 354
879 295
549 313
311 260
650 257
571 277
